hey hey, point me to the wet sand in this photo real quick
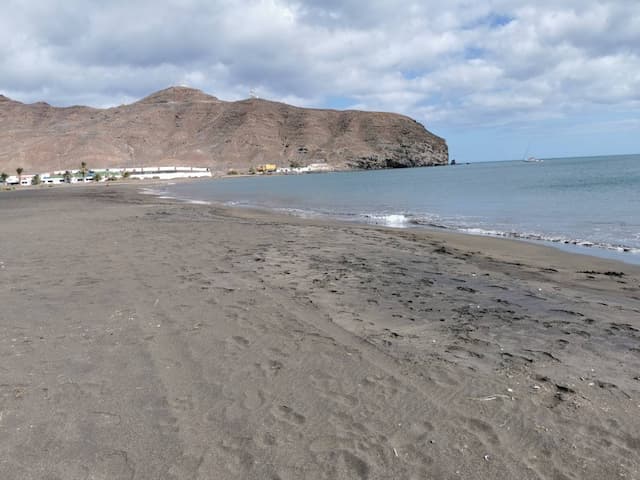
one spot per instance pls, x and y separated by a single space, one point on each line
146 339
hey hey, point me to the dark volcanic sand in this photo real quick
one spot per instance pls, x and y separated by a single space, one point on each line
144 339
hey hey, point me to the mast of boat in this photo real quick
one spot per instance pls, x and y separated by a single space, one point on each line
526 151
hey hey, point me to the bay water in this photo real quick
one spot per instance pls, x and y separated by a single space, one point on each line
590 204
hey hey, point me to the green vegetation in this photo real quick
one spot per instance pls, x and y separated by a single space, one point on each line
66 176
126 174
36 180
83 170
252 171
19 171
3 178
295 164
97 177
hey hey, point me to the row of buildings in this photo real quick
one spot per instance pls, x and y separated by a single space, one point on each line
311 168
105 174
145 173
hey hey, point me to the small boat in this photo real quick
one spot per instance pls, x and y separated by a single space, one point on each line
529 159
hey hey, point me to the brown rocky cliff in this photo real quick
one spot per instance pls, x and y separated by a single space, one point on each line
183 126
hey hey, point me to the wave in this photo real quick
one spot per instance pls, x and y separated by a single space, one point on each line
409 220
551 239
397 220
164 195
150 191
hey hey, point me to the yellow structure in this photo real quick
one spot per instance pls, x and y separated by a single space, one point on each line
267 168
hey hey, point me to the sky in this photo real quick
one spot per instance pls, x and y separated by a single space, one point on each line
498 79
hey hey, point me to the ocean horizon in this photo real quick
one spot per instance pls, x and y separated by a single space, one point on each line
586 205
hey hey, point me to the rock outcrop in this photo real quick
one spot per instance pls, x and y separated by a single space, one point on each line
184 126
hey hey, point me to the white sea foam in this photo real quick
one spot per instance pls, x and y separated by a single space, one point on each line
482 231
149 191
549 238
164 195
391 220
305 213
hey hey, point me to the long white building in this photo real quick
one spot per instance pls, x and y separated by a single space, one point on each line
142 173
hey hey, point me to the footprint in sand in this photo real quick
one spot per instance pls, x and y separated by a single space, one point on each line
253 399
381 387
182 404
483 431
270 368
237 456
236 343
243 342
330 389
289 415
411 442
235 412
113 464
344 464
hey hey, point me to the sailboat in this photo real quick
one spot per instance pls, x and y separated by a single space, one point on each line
530 159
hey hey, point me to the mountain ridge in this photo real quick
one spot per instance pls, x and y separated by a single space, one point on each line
185 126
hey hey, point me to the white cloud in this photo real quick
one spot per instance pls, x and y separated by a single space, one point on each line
449 62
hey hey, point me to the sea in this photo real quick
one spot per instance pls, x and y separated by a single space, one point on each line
588 205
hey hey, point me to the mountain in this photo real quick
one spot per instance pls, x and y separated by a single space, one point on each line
184 126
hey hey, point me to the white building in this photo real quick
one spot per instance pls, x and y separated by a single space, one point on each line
312 167
165 173
24 179
47 179
160 173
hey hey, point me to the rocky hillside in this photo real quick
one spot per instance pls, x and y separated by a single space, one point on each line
183 126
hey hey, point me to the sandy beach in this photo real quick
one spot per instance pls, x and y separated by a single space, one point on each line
143 338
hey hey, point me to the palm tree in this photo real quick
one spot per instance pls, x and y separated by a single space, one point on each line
36 180
66 176
3 178
19 171
83 169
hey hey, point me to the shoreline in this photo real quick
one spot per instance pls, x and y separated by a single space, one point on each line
614 253
148 338
626 255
